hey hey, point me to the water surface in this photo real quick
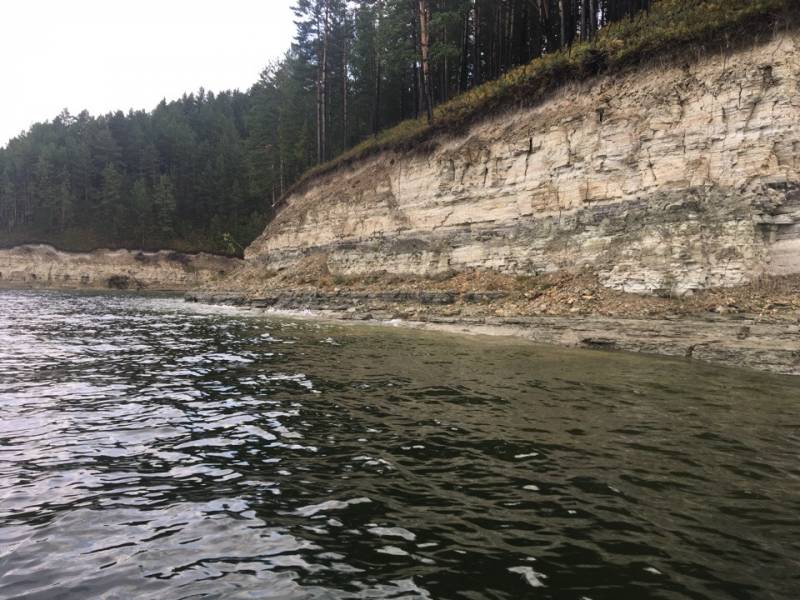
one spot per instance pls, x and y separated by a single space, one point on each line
152 449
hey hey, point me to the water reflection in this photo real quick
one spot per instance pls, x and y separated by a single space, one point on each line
151 449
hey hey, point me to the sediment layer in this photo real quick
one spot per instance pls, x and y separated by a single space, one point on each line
44 266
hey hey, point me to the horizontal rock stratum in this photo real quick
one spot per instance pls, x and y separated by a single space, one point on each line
44 266
666 179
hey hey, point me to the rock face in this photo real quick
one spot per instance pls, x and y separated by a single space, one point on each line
44 266
663 180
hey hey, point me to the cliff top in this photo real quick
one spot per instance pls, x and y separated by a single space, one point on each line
671 29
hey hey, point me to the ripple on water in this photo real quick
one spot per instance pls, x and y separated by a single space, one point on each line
153 449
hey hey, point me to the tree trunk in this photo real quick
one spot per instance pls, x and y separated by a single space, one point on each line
319 120
419 103
322 83
584 20
476 19
546 27
325 81
376 115
282 182
464 59
424 44
445 91
345 124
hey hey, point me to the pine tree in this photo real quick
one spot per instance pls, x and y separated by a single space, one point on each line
165 206
142 212
110 211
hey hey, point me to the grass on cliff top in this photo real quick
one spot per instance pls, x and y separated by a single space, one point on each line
670 26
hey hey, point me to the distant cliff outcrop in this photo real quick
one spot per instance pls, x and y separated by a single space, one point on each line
44 266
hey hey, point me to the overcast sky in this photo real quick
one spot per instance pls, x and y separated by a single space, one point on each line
104 55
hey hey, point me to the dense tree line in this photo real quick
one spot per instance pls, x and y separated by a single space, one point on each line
176 174
206 171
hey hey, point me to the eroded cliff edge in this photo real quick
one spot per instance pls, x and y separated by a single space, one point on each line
44 266
666 180
657 210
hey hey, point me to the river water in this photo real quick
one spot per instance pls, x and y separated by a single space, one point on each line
153 449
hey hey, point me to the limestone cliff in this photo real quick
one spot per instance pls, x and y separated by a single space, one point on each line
665 179
35 266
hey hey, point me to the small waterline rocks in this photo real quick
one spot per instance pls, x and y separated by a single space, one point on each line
738 341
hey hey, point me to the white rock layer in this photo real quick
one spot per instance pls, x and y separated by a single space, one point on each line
666 179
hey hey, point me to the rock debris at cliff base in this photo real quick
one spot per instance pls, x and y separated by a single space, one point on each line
756 327
483 292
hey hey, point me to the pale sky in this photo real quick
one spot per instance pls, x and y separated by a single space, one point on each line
104 55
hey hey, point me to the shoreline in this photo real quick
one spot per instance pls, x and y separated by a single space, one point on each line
743 341
751 341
